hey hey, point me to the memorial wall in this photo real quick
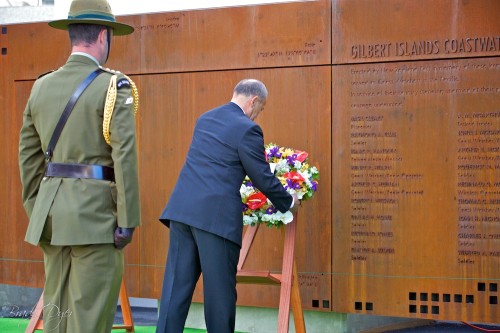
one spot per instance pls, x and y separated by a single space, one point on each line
416 158
397 103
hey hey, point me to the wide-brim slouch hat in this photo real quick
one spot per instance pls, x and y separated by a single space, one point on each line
92 12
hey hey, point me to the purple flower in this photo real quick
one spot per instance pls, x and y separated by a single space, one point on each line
274 152
291 159
314 185
290 184
271 210
244 207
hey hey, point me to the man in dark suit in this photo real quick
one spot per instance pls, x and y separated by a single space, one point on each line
204 212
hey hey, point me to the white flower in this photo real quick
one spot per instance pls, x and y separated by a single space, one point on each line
285 218
282 167
307 178
250 219
246 191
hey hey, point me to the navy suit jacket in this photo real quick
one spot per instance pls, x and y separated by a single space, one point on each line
226 146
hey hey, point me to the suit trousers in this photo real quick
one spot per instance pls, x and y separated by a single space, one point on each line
193 252
82 284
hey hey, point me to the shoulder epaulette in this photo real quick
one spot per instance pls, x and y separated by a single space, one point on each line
123 82
111 71
114 86
42 75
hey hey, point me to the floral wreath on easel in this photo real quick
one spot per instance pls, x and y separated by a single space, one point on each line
292 168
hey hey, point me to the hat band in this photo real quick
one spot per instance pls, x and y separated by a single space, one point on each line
92 16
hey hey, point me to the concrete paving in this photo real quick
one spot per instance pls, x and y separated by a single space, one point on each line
140 316
147 317
449 327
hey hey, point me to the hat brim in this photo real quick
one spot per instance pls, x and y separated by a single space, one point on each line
119 29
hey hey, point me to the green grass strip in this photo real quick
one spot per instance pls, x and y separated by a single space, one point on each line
18 325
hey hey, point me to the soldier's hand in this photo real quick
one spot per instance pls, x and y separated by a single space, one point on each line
123 236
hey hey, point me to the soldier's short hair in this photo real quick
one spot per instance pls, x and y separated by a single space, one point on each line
83 33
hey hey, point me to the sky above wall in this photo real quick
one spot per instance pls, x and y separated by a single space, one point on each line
121 7
127 7
19 11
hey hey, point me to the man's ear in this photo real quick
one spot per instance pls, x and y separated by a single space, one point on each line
254 100
103 34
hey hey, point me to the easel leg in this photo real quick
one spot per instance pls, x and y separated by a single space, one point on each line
286 280
298 315
128 322
246 243
36 322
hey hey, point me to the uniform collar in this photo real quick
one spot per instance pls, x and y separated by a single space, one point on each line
86 55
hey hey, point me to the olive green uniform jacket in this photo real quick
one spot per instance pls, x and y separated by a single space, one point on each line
83 211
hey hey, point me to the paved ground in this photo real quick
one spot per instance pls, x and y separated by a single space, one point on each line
147 316
449 327
141 316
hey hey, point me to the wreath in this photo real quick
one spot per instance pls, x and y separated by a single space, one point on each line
292 169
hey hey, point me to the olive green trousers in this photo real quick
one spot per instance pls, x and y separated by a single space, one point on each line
82 285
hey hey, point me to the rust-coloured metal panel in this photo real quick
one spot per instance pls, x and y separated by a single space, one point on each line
180 63
276 35
293 34
416 203
34 49
384 30
23 272
415 148
14 219
167 132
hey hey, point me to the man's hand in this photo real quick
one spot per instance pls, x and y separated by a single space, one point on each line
123 236
296 203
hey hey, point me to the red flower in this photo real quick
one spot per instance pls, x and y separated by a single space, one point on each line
294 176
256 200
301 155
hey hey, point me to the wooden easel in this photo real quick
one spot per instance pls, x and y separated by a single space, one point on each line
288 279
36 322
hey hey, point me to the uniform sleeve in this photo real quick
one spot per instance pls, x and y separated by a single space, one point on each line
31 161
124 153
252 155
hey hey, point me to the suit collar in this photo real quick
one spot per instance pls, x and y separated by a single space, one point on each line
238 107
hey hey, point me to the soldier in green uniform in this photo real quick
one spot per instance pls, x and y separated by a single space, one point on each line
81 192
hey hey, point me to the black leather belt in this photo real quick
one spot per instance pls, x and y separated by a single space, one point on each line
73 170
